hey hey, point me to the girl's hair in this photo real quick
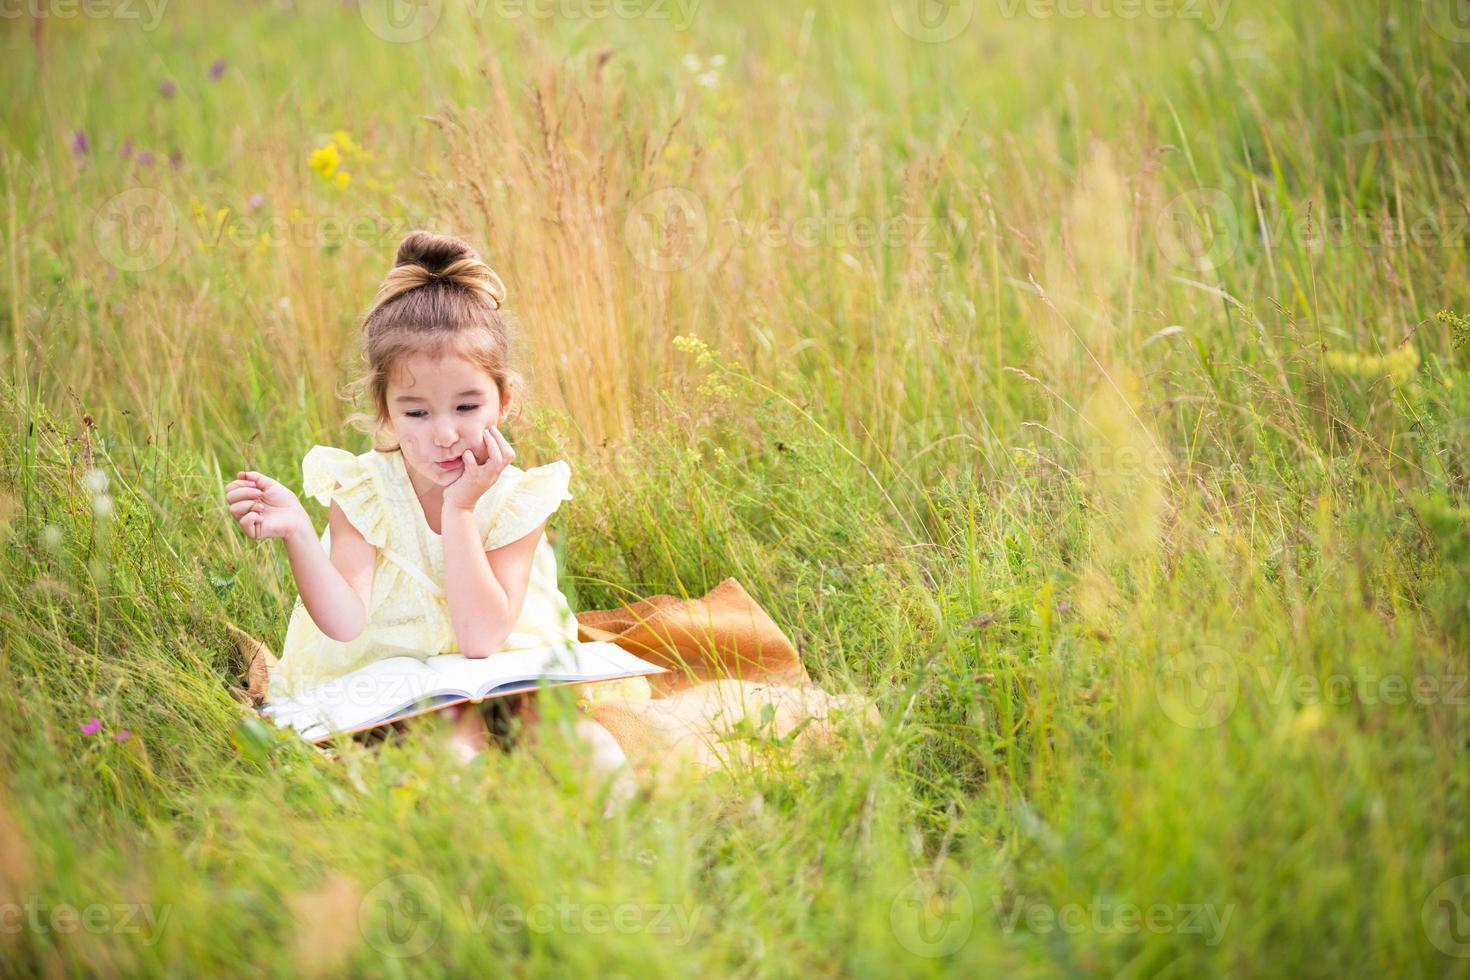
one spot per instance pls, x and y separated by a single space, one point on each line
439 296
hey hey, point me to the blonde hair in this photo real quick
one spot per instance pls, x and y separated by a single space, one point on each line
439 295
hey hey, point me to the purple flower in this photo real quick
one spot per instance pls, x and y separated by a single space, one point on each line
80 145
122 735
92 726
168 88
127 149
145 158
217 69
254 202
176 159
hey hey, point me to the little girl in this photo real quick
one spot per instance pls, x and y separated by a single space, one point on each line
435 540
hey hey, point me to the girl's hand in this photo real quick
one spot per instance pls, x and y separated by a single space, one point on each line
265 508
477 477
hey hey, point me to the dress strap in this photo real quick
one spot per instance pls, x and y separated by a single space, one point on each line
412 572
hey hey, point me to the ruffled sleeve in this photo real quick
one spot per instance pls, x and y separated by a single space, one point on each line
533 496
329 474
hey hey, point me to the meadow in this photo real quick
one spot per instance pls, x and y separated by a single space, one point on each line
1087 383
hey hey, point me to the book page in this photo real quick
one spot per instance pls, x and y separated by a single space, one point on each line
593 660
375 691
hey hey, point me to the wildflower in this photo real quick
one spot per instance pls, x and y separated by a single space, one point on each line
217 70
176 159
95 480
1398 366
51 537
325 160
80 145
254 202
329 158
168 88
122 735
145 158
102 505
92 726
127 149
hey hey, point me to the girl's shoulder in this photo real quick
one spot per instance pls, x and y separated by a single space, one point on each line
521 499
360 485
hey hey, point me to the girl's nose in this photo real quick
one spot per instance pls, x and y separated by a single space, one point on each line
445 437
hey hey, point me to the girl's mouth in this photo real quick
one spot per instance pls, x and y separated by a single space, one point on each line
452 464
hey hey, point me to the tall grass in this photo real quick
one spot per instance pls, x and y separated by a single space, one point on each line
1076 387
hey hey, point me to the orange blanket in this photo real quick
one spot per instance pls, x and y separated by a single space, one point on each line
735 686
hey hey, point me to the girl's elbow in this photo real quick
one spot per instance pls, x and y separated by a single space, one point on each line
345 634
481 650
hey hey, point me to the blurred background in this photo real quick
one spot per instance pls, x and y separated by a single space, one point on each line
1084 380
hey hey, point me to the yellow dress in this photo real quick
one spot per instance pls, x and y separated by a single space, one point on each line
409 613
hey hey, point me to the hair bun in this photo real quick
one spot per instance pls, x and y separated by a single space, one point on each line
424 257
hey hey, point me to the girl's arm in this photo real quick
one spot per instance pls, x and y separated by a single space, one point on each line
335 590
486 590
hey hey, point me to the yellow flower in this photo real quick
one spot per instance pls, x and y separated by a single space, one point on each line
343 179
325 159
1398 366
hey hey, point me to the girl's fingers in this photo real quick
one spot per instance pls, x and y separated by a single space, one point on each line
492 449
505 451
260 479
243 493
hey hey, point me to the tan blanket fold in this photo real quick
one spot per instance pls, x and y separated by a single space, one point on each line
732 674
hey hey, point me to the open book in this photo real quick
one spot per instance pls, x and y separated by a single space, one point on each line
400 687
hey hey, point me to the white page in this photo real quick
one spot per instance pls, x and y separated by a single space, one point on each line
387 688
578 662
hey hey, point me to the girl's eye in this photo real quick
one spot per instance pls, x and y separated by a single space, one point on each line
468 408
419 413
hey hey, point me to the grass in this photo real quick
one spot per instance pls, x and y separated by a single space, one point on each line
1089 391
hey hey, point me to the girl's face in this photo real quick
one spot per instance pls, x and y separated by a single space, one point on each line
439 405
